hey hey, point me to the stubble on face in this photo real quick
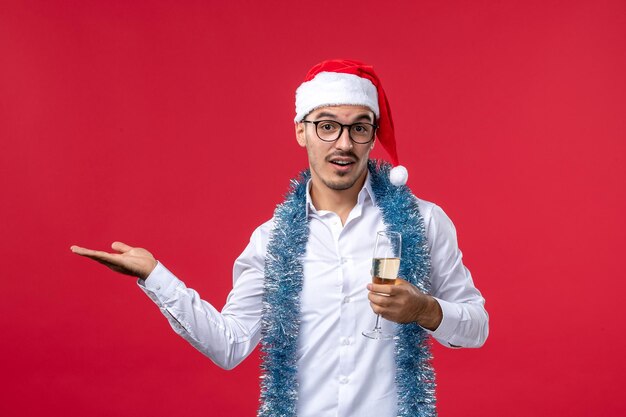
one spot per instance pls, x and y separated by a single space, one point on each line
322 155
345 181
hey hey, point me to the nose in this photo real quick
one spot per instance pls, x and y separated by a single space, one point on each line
344 142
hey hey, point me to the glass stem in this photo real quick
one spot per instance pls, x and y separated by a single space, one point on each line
377 326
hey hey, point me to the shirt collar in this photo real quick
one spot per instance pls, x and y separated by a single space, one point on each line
365 192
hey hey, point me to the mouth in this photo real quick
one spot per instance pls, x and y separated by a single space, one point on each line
342 162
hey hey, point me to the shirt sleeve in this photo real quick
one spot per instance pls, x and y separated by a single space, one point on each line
465 321
227 338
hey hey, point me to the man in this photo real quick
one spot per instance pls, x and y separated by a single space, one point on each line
302 285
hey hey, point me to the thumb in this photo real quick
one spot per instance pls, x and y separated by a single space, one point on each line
120 247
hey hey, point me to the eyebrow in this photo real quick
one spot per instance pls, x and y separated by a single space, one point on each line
362 116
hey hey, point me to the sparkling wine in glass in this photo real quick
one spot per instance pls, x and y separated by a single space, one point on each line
385 266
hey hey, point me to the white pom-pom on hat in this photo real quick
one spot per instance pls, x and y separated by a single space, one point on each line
342 81
398 175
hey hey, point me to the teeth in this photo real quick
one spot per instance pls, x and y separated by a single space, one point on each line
341 163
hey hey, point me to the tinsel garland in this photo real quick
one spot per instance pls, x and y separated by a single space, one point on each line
415 377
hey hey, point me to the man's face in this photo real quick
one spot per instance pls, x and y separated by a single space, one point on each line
341 164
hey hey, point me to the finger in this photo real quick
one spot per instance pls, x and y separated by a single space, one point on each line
105 263
379 288
121 247
79 250
379 300
377 309
95 254
116 267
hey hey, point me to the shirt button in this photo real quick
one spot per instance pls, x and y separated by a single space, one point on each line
343 380
344 261
345 341
347 300
158 287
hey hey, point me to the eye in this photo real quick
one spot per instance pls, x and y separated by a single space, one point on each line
361 128
328 126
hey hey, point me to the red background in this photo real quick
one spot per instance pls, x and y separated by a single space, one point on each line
168 125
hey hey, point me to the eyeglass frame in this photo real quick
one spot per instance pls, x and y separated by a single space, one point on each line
317 122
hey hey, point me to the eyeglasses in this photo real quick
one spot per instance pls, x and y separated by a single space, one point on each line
330 131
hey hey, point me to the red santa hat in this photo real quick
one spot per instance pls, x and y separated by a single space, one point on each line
341 81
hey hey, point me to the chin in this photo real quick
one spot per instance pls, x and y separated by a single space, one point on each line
340 185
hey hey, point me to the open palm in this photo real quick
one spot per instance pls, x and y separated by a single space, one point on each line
137 262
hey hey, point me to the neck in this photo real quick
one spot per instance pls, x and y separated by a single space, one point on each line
340 202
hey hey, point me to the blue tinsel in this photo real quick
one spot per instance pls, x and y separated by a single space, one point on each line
415 377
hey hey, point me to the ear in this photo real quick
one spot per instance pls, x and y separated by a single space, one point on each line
300 134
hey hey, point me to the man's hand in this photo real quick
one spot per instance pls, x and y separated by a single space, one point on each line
137 262
404 303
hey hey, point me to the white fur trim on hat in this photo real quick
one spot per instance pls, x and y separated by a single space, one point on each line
334 89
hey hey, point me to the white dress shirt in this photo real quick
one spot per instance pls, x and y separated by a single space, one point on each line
340 372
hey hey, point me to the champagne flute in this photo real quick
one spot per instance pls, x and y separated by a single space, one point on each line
385 266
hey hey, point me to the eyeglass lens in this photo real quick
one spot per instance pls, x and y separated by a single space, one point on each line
330 130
